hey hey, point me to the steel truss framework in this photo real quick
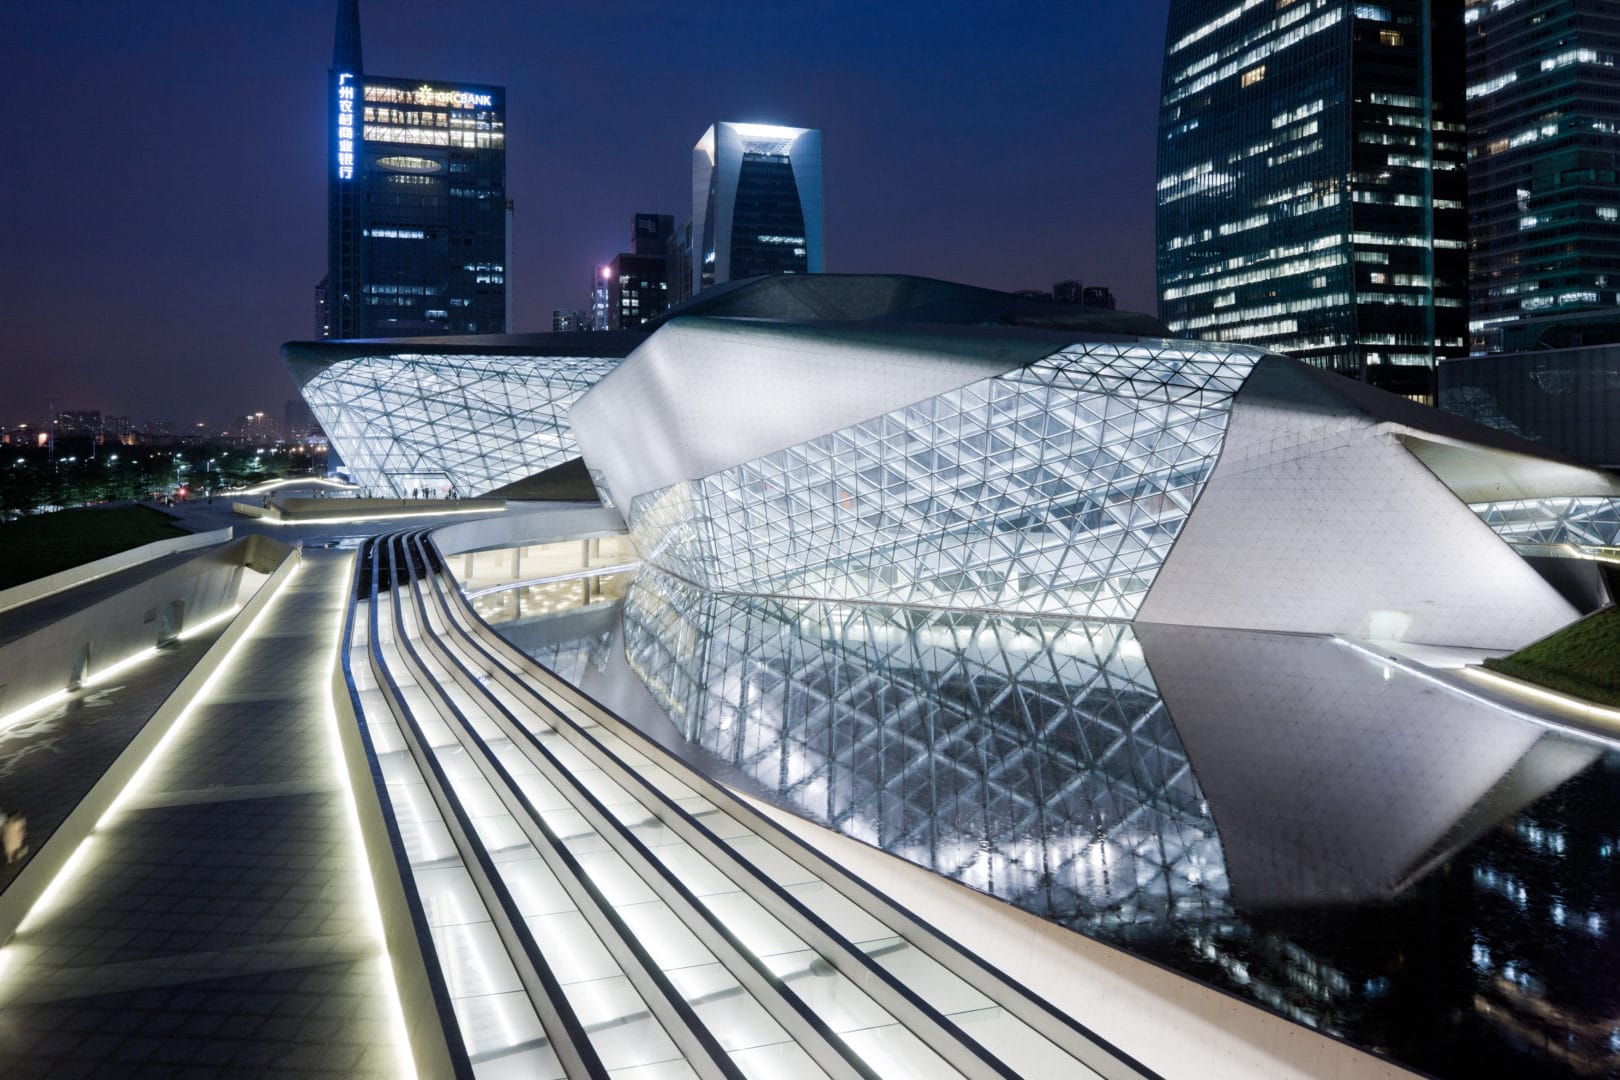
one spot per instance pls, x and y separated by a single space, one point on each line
477 421
1586 522
1056 488
1032 759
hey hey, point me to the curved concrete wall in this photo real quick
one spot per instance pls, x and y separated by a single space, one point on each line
72 578
43 659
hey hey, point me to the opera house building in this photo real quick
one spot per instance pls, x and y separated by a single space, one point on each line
931 681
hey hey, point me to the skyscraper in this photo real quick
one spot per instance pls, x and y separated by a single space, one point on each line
417 207
1543 154
756 202
1310 182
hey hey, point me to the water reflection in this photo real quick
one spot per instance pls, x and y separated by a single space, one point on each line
1351 845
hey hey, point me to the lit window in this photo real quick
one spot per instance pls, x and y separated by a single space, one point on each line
1390 37
1254 75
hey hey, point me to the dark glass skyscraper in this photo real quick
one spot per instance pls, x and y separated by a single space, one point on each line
756 202
417 208
1543 187
1310 182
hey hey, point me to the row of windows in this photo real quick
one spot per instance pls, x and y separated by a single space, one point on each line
424 136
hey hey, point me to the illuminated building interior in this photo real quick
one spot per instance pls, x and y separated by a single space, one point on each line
417 222
1310 194
756 202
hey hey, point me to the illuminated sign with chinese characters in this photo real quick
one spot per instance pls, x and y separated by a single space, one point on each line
345 126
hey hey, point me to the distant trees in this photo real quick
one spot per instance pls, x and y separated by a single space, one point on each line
30 480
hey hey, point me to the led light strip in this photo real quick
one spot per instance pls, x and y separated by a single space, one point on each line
307 481
1540 721
75 862
1563 701
57 697
376 517
360 857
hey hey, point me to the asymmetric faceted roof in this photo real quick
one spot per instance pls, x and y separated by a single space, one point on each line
783 297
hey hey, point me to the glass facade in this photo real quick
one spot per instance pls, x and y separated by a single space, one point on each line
1564 399
756 202
1583 522
1029 759
417 230
431 423
1544 141
1055 488
1310 182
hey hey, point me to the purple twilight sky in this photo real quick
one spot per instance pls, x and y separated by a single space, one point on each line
164 191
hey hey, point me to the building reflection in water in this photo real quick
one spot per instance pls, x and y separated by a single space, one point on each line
1281 815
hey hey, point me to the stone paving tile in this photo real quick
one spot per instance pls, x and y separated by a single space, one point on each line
219 927
49 762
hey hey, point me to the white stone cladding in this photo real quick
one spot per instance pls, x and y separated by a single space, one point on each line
1322 522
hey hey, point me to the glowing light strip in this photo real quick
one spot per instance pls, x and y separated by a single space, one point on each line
572 575
47 899
361 859
38 705
76 861
376 517
58 697
144 774
307 481
1563 701
1464 692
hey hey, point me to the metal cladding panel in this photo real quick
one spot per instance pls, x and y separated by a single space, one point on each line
1321 521
1055 488
473 422
703 395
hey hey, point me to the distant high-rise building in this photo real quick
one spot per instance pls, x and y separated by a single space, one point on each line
78 423
678 262
571 320
756 202
649 233
1310 182
417 207
602 298
638 279
1543 185
323 312
1099 296
637 289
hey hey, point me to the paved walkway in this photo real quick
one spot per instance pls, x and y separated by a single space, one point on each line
217 925
49 762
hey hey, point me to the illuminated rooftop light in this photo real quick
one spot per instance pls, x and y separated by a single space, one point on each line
767 131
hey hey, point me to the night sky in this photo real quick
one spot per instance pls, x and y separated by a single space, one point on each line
164 184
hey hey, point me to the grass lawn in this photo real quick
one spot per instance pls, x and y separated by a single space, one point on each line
1582 659
34 546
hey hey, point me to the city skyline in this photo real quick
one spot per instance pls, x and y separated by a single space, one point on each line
165 293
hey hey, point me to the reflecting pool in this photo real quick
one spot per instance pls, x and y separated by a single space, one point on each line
1288 818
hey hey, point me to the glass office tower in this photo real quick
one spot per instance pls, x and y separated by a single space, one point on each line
1543 154
1310 182
756 202
417 218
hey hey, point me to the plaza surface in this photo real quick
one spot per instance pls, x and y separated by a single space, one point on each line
216 922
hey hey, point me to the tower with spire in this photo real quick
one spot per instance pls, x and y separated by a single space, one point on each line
416 207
